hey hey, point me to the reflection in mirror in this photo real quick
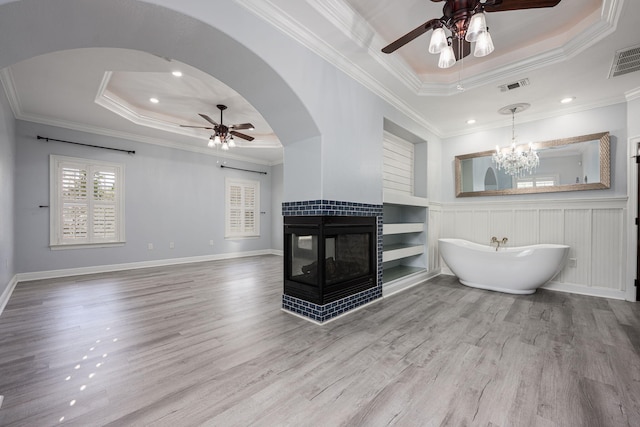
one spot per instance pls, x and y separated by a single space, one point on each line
571 164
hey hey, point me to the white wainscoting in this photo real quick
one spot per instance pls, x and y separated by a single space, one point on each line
594 228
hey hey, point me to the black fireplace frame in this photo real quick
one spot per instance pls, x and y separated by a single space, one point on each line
327 226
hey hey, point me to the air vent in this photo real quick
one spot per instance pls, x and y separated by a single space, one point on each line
514 85
625 61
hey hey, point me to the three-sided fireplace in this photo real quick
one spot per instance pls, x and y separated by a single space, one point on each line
327 258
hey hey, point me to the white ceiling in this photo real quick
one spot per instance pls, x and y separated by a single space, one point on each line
563 51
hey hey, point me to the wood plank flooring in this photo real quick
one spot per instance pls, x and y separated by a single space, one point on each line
207 344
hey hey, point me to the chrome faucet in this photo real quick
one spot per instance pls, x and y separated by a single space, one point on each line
498 242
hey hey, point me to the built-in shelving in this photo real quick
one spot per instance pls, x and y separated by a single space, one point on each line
399 251
404 236
402 228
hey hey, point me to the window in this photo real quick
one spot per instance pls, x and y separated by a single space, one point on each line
536 181
242 216
86 201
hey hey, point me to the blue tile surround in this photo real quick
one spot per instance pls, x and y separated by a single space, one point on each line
322 313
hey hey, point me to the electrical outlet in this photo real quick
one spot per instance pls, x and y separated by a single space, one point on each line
210 242
150 246
171 245
573 262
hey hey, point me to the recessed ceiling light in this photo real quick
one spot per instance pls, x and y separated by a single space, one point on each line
177 73
154 100
567 99
471 121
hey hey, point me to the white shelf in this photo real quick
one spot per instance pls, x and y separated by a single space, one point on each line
399 251
402 228
400 272
391 198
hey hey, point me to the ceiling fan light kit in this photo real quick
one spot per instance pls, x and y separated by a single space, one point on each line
223 135
466 22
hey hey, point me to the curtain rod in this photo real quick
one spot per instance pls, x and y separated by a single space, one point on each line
245 170
86 145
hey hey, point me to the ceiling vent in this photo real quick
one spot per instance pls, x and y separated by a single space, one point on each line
625 61
514 85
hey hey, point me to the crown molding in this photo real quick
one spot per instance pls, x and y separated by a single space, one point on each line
283 22
357 29
632 95
6 77
112 102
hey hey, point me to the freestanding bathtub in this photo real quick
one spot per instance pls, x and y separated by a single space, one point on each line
517 270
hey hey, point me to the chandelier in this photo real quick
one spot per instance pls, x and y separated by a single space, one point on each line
515 161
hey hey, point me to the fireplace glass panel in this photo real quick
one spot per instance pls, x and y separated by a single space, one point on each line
347 257
304 258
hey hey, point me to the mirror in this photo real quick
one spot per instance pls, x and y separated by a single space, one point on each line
570 164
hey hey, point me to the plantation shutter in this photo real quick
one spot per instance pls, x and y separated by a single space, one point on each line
104 204
75 204
86 202
242 212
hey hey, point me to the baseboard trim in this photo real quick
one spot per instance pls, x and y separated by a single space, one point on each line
407 282
4 298
585 290
572 288
52 274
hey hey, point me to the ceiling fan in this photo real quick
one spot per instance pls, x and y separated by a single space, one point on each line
223 135
466 22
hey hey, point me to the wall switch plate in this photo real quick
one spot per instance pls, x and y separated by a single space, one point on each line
573 262
171 245
210 242
150 246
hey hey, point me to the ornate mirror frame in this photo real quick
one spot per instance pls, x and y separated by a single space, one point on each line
605 168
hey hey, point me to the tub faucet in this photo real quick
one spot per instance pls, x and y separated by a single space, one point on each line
494 239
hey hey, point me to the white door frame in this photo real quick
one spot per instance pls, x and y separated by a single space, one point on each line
632 213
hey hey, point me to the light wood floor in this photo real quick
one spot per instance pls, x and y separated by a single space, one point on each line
207 344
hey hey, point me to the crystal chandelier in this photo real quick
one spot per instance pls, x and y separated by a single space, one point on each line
515 161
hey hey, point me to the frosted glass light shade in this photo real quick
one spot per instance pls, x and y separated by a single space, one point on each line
477 26
231 142
216 140
210 143
438 41
447 58
225 146
484 45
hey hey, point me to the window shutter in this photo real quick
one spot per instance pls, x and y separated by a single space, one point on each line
75 204
86 202
242 205
249 209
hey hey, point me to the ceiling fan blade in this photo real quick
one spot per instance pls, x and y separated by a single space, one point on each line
241 135
243 126
504 5
207 118
410 36
466 49
197 127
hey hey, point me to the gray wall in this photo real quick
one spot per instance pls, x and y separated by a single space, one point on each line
170 196
7 169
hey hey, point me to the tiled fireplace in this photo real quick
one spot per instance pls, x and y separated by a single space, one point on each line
332 256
